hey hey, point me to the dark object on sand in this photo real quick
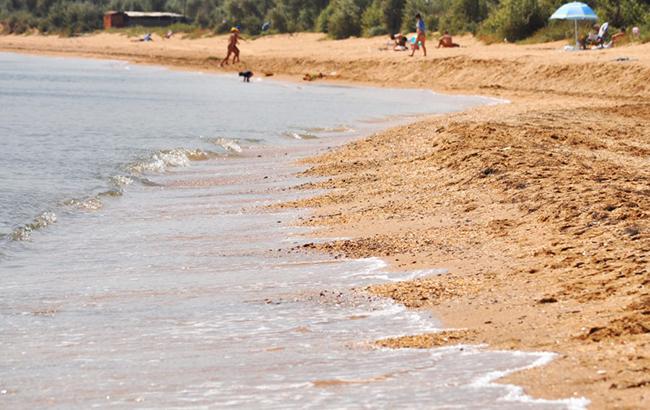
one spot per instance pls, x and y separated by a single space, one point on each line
312 77
247 75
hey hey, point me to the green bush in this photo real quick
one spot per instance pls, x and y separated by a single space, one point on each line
623 13
376 31
83 17
372 20
322 22
430 11
556 30
344 20
464 15
244 13
513 20
392 14
19 23
278 19
219 22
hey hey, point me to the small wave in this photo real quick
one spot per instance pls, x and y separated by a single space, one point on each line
162 160
516 393
148 182
329 130
90 204
121 180
299 135
228 144
23 233
112 193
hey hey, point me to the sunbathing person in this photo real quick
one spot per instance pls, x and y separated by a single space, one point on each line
446 41
400 42
618 37
147 37
591 39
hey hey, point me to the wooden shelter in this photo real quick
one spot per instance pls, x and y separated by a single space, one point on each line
116 19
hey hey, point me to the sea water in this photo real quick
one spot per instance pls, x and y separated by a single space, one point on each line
143 263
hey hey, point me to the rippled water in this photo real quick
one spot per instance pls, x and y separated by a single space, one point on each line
140 266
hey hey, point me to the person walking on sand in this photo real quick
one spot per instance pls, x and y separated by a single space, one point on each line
421 36
233 40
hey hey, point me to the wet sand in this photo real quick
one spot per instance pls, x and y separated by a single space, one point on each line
538 208
540 213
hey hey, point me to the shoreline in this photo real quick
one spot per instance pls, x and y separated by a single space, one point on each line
539 214
496 70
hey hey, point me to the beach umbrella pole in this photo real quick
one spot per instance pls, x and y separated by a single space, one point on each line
575 22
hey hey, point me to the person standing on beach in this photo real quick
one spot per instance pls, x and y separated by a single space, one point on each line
421 36
233 40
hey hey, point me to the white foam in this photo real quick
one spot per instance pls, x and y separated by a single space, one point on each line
516 393
283 386
375 269
121 180
416 274
228 144
159 161
24 233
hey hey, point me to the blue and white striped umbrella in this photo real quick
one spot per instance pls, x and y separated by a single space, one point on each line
574 11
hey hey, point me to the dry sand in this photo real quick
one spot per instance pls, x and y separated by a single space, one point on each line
538 208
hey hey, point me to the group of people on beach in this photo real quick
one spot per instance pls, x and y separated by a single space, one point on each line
401 41
596 38
599 37
420 39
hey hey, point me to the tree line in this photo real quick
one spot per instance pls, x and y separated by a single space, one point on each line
491 19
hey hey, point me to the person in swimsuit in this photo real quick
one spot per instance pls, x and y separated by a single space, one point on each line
446 41
233 40
618 37
400 41
421 37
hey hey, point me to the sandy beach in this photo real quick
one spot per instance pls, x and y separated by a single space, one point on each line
539 209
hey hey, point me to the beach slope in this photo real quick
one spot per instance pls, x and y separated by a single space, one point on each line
539 208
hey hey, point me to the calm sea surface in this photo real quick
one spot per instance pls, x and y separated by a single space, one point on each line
140 266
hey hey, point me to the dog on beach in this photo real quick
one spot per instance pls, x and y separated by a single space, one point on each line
247 75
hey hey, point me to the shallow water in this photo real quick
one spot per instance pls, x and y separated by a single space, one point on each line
164 281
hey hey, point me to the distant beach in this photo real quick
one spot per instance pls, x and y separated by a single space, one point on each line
539 209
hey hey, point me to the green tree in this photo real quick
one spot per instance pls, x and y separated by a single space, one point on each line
622 13
514 20
278 17
300 15
431 10
344 19
392 14
465 15
322 22
372 20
